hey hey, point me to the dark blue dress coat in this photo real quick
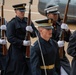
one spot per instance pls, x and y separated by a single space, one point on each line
16 62
50 55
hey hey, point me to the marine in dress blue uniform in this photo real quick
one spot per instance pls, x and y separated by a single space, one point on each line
57 22
16 62
49 50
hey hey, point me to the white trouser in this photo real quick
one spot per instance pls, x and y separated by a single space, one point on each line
63 72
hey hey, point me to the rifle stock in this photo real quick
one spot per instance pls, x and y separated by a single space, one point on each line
61 49
28 33
4 47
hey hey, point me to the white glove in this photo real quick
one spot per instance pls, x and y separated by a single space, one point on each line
29 28
3 27
64 26
26 43
3 41
60 43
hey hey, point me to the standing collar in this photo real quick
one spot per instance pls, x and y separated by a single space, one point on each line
43 40
24 19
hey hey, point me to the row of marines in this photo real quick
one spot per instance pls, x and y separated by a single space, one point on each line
44 53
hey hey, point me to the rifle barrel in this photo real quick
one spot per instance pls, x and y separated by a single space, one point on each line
4 47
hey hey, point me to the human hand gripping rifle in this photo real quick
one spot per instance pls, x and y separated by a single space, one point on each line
4 47
28 33
61 49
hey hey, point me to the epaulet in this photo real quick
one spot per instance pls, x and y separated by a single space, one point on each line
35 44
26 18
55 42
12 19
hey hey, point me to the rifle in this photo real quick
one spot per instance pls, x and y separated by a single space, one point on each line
61 49
28 33
4 47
